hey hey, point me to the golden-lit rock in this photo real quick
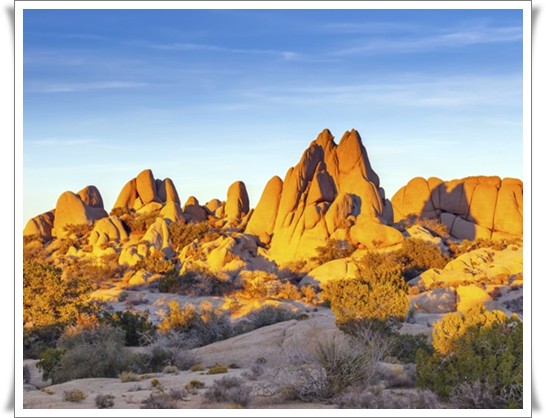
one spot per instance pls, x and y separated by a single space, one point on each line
40 225
237 204
91 196
331 271
145 184
107 230
440 300
372 234
470 296
471 208
157 235
71 210
172 212
263 219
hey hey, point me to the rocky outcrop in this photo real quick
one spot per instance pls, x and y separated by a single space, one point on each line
263 219
320 197
237 204
471 208
72 210
331 271
107 230
41 225
193 211
144 189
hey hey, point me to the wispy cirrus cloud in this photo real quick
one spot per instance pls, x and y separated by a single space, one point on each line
188 46
82 87
449 39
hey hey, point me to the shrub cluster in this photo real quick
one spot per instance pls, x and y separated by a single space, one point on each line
199 281
183 234
333 249
262 285
377 398
478 355
203 325
229 389
139 330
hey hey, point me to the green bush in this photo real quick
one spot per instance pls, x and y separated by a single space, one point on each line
333 249
183 234
49 298
196 282
382 304
138 329
481 348
82 353
417 256
405 346
200 326
268 315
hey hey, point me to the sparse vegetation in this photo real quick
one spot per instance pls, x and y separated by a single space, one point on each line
229 389
81 353
129 377
138 329
104 401
377 398
333 249
194 384
217 369
480 348
74 395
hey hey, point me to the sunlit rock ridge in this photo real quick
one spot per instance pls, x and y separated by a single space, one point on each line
331 193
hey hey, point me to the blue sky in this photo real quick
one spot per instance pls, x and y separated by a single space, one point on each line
210 97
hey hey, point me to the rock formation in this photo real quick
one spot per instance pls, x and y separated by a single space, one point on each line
471 208
40 225
144 189
332 188
237 204
107 230
71 209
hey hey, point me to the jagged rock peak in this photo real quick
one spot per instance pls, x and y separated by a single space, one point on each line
144 189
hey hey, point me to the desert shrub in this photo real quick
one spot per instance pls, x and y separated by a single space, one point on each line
170 369
204 325
333 250
309 295
380 267
405 346
229 389
198 281
432 225
82 353
138 328
262 285
38 339
268 315
417 256
217 369
378 303
256 370
331 365
159 400
129 377
26 374
197 368
482 348
194 384
184 234
139 223
475 395
377 398
466 246
92 271
34 248
74 395
50 299
155 383
104 401
155 262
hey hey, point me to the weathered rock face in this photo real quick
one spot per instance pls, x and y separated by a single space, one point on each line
471 208
331 271
40 225
320 197
193 211
72 210
144 189
107 230
237 204
263 219
90 195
